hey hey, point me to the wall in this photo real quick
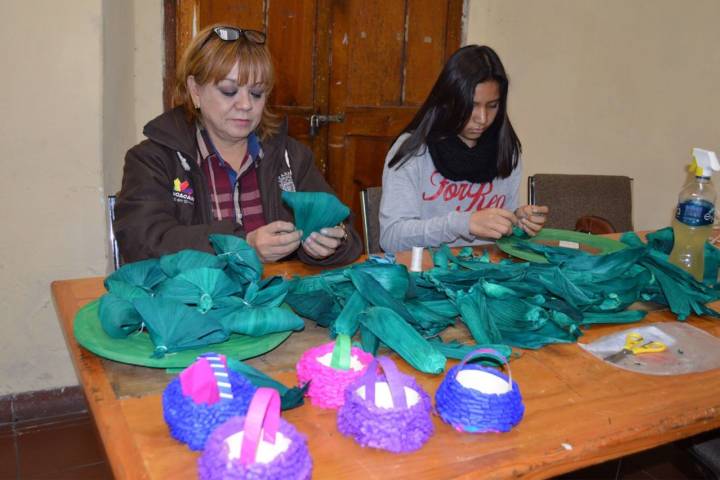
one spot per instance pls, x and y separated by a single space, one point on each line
610 87
71 83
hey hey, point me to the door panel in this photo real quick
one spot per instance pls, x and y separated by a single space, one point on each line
373 61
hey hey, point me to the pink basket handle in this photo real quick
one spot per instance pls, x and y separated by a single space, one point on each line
263 413
487 353
394 381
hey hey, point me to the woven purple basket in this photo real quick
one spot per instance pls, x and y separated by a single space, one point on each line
463 400
191 422
390 412
327 384
281 453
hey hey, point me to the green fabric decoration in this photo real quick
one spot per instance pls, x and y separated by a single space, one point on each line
397 334
184 260
243 264
289 397
199 286
173 326
315 210
340 359
458 351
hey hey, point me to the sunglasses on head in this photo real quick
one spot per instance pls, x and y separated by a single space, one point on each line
230 34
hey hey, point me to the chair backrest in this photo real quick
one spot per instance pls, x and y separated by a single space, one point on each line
370 207
111 233
571 197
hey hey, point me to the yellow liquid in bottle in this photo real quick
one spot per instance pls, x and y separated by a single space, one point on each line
688 251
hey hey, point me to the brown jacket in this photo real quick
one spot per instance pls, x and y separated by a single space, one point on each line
158 213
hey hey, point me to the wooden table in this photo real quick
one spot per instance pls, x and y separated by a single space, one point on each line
579 411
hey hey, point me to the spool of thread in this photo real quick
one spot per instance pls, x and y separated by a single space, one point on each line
416 261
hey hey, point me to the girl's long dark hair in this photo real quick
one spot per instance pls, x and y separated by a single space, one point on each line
448 107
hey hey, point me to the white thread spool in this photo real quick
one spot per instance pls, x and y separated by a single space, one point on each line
417 257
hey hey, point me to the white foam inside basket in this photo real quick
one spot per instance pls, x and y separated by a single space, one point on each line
482 381
266 451
383 397
355 364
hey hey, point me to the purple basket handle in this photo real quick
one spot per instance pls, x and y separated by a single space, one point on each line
394 381
487 352
263 413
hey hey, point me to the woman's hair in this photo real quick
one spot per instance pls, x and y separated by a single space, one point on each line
209 59
448 107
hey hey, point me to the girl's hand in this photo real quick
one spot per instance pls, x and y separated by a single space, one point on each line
324 243
274 241
492 223
531 218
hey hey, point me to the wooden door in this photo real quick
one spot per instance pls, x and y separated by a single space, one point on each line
370 62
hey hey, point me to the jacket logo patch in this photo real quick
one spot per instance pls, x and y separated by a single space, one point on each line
285 181
182 192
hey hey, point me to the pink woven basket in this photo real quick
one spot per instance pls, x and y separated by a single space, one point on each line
327 384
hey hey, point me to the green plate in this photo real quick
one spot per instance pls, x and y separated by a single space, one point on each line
592 244
137 348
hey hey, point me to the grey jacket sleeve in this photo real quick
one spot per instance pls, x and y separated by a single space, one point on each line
401 224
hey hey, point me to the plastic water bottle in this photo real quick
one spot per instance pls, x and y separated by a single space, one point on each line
695 215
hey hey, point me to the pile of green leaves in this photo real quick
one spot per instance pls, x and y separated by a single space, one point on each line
192 298
503 304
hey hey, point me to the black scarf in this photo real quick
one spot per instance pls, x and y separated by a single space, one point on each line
456 161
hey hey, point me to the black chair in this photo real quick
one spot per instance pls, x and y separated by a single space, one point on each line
111 233
572 197
370 209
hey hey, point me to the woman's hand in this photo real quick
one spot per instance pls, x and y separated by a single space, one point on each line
492 223
274 241
322 244
531 218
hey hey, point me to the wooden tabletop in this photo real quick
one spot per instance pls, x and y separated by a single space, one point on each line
579 411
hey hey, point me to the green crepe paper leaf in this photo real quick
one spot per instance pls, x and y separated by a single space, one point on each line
258 321
289 397
315 210
243 264
397 334
348 321
458 351
118 316
176 263
144 274
199 286
340 359
173 326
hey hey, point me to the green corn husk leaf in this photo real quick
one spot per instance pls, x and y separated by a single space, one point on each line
125 290
315 210
397 334
118 316
348 321
269 292
145 274
340 359
174 326
474 312
258 321
374 293
458 351
627 316
394 278
243 264
289 397
176 263
369 342
427 321
199 286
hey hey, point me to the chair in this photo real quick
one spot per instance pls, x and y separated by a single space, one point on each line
111 234
370 208
588 197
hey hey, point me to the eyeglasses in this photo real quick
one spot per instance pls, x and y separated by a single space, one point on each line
230 34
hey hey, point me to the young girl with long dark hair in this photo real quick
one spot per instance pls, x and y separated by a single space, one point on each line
453 174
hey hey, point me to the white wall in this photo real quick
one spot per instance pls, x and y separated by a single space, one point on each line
69 86
610 87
